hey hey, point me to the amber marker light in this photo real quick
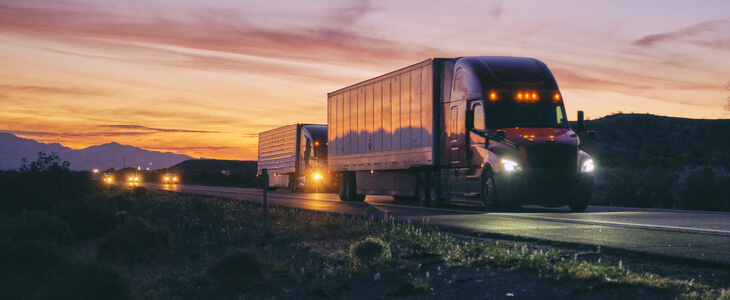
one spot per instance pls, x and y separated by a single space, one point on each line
493 96
556 97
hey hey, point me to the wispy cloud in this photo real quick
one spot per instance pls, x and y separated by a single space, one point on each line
205 30
711 34
145 128
55 90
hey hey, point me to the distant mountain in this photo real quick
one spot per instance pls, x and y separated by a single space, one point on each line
111 155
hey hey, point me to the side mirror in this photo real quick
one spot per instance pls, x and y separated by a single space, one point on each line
580 125
590 136
500 135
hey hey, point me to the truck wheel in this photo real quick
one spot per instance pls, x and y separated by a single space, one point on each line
434 189
351 189
489 196
342 187
422 190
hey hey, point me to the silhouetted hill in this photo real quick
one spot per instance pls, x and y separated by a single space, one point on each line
111 155
635 140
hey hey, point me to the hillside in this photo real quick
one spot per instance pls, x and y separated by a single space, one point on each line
216 172
636 140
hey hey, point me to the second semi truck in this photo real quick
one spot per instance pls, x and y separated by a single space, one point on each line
295 157
490 130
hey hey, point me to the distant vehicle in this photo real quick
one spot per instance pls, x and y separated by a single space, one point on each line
108 178
170 178
295 157
134 178
486 130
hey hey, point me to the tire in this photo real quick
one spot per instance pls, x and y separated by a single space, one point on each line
489 195
342 187
422 191
434 189
351 189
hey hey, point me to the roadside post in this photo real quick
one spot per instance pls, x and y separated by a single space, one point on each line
265 204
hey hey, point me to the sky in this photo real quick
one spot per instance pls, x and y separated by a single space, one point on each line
203 78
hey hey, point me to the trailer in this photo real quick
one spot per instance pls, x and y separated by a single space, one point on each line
295 157
485 130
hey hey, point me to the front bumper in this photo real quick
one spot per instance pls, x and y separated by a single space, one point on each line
545 187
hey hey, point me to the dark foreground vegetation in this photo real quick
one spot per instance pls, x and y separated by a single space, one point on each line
122 243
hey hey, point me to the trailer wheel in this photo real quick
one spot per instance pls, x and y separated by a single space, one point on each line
350 188
434 189
489 196
422 190
342 187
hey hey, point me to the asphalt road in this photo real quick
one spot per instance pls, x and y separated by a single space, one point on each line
701 236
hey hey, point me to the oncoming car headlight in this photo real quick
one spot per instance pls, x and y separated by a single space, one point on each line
511 166
588 166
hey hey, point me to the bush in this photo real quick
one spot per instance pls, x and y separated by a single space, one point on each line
370 251
88 220
134 241
41 270
36 225
705 190
90 280
239 269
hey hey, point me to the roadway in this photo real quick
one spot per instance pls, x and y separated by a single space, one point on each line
699 236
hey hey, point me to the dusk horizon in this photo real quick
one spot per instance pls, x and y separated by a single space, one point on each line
203 79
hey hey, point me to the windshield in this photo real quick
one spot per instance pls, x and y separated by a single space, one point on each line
511 114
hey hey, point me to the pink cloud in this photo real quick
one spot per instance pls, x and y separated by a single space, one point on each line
205 30
711 34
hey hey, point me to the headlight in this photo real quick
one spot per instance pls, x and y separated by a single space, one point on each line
511 166
588 166
317 176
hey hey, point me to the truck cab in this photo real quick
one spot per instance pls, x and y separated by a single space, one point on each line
507 138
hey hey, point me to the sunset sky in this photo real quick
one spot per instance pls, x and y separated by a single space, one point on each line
203 78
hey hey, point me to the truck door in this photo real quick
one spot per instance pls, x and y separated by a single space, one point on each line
454 184
474 120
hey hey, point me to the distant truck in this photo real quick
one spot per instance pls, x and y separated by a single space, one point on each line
485 130
295 157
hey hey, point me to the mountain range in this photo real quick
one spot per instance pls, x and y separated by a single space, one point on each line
112 155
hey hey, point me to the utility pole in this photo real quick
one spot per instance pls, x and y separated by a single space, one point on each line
264 203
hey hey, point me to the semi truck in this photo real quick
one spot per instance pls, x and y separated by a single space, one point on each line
482 130
295 157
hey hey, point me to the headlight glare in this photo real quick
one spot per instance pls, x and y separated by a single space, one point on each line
511 166
588 166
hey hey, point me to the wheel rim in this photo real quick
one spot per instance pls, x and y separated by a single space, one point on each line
488 192
433 189
422 191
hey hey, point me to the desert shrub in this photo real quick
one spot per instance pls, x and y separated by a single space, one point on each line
139 191
88 220
370 251
646 187
705 190
133 241
123 201
4 228
91 280
41 185
239 268
42 270
36 225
